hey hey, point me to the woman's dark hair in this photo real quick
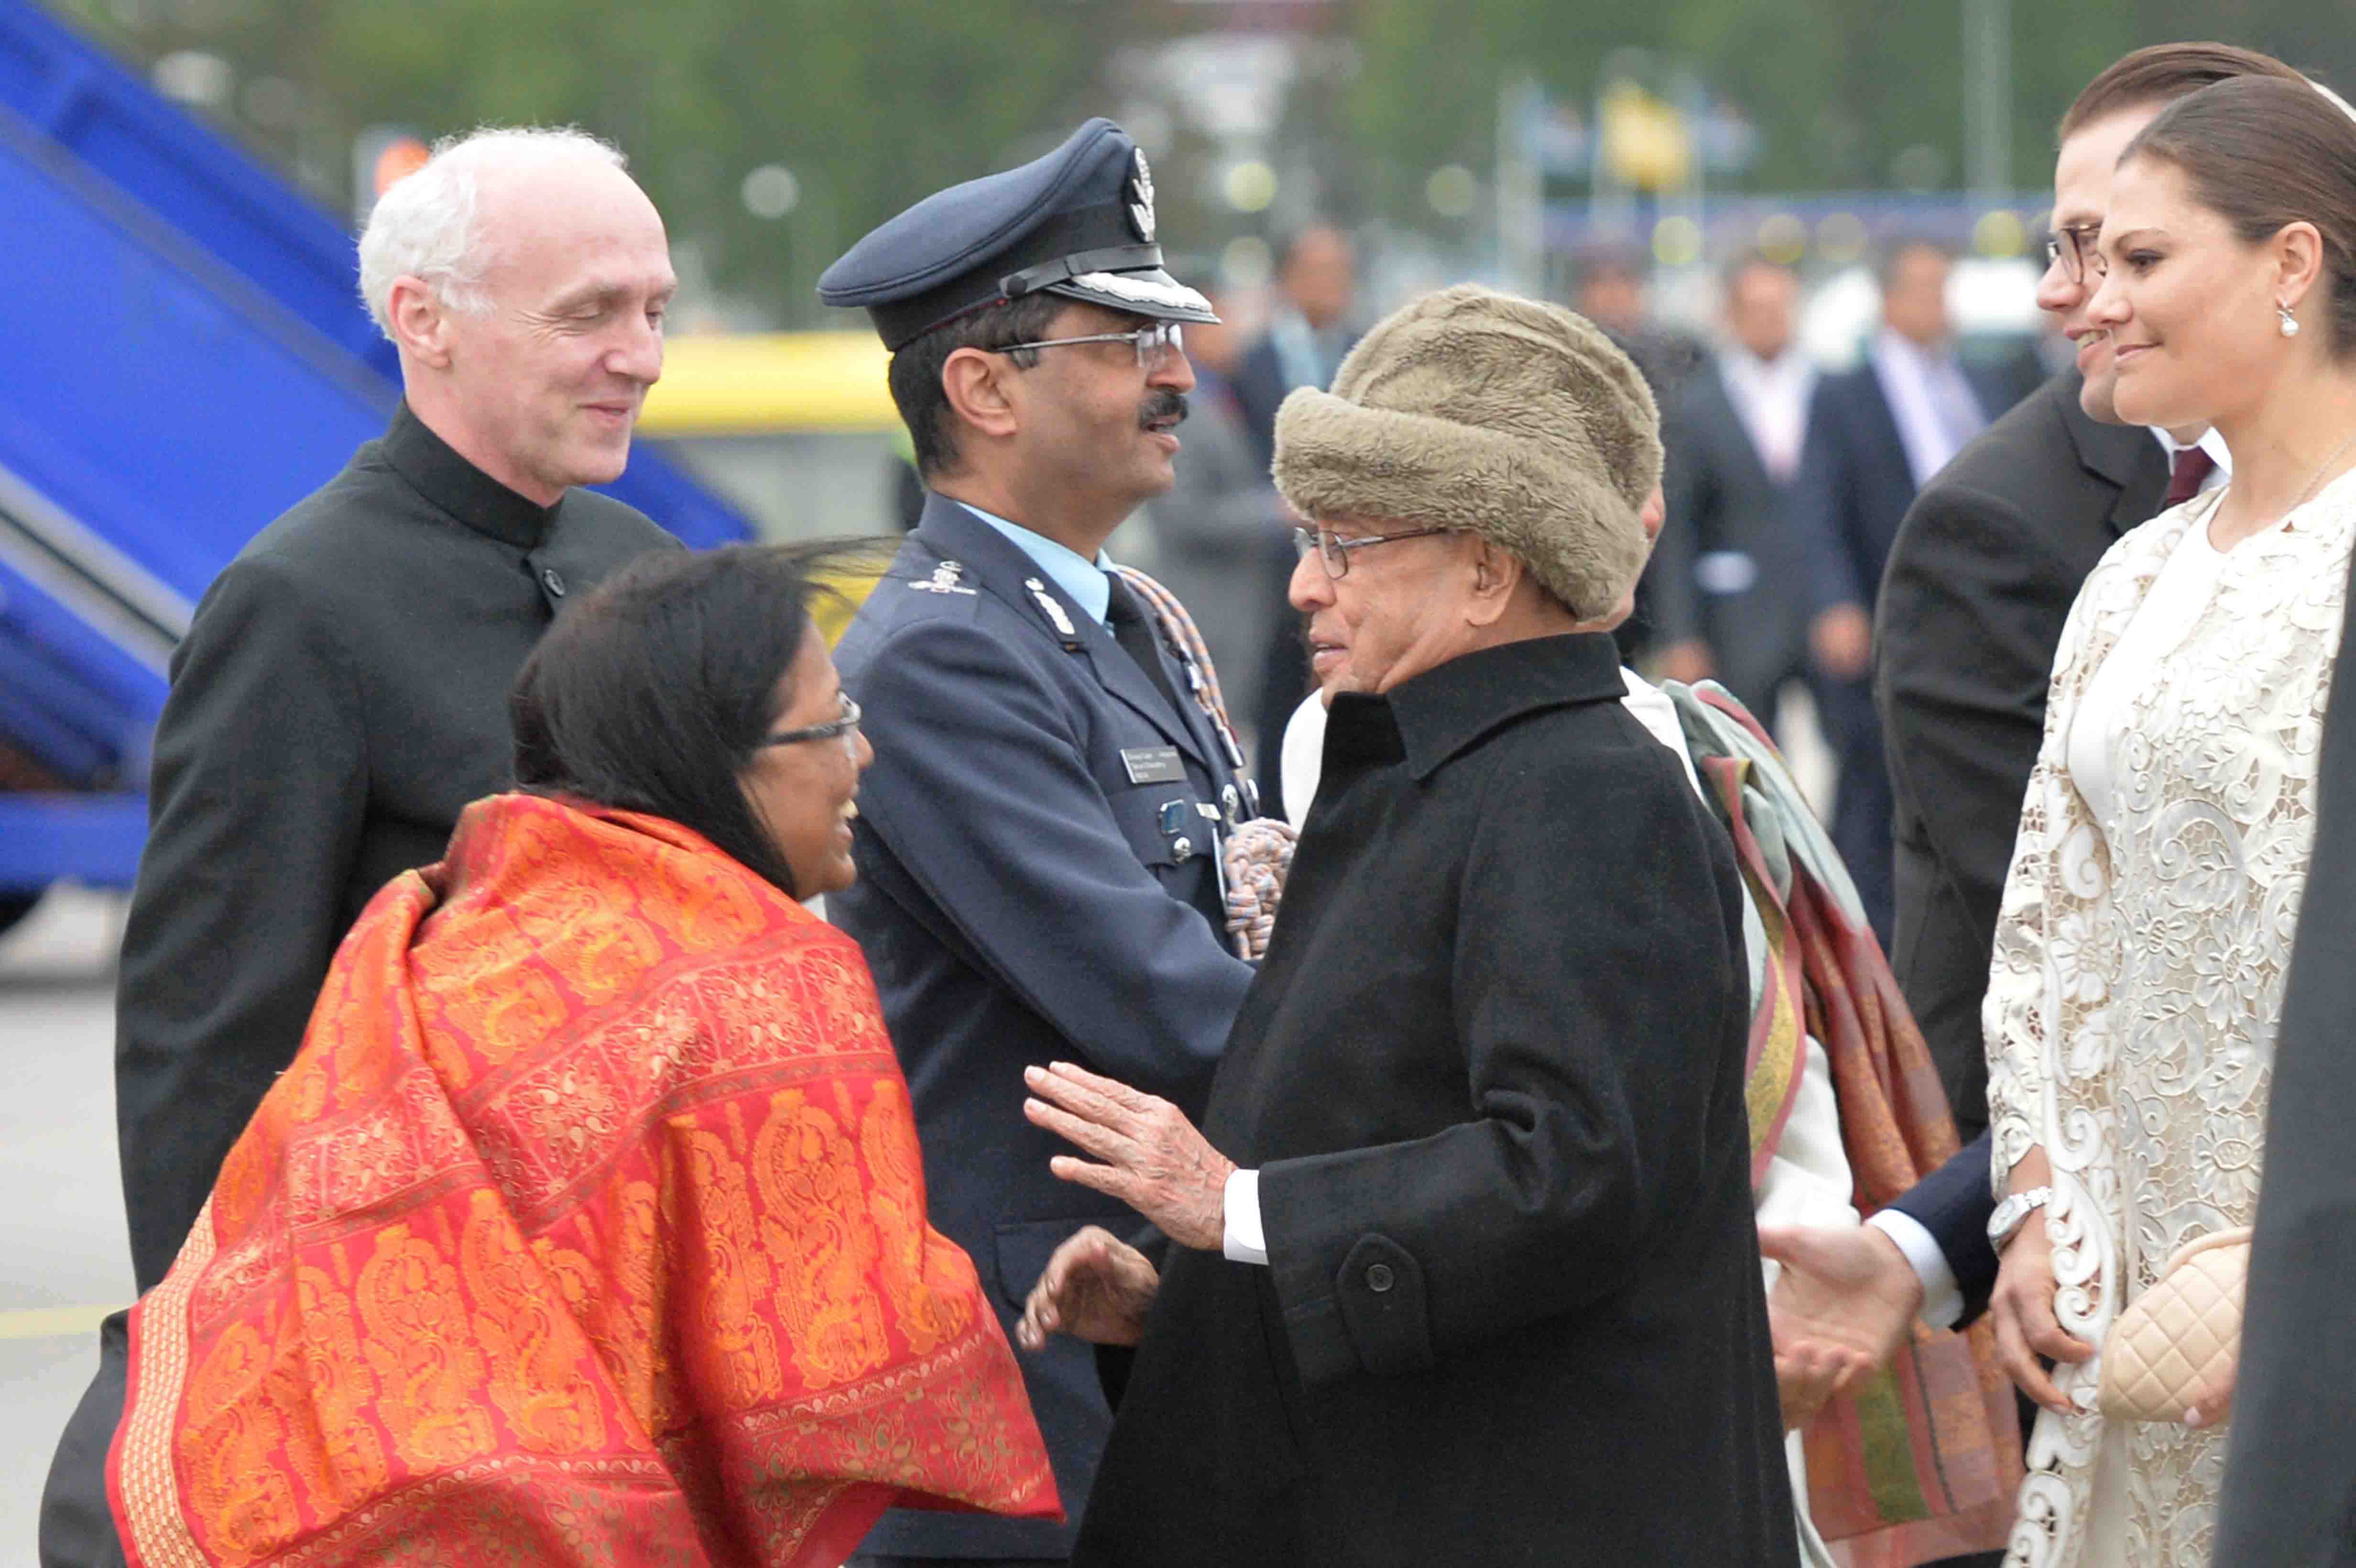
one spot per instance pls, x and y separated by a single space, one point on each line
2263 153
915 373
650 693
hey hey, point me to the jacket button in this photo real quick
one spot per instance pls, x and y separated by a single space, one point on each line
1181 846
550 579
1379 1278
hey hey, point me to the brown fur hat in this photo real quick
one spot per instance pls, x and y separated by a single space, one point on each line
1511 419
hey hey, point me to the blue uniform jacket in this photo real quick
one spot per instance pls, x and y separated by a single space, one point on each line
1023 899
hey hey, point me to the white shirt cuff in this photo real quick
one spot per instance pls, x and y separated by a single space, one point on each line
1244 1241
1943 1299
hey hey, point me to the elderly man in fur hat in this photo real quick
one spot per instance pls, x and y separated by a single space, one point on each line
1461 1265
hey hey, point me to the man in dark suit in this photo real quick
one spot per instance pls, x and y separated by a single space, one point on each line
1726 583
1308 331
1875 435
1039 837
1981 578
342 692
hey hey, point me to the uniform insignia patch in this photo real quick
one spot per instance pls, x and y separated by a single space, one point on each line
944 580
1049 606
1141 198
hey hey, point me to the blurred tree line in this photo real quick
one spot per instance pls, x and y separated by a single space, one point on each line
871 104
1839 89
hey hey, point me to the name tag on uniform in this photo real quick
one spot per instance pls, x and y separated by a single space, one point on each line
1153 764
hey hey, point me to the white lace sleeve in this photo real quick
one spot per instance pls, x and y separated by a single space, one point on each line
2052 852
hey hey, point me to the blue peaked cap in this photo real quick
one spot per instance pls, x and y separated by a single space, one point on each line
1078 222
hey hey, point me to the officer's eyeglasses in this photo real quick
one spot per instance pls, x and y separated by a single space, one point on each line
1334 551
1155 342
2074 250
845 728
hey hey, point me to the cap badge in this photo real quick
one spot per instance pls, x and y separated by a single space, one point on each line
1141 198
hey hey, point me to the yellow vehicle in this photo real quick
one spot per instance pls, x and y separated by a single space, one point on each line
797 428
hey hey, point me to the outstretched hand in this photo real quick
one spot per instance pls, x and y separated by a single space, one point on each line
1097 1287
1154 1161
1846 1300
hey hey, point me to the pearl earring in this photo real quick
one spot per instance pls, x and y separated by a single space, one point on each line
2289 322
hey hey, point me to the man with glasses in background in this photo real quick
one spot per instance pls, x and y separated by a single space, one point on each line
1039 837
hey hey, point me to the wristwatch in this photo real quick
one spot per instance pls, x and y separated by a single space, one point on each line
2015 1209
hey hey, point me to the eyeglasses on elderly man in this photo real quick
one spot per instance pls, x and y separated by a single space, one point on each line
1333 548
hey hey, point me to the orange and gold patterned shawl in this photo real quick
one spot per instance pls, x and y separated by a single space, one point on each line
587 1227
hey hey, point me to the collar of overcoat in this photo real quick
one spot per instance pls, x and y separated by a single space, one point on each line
449 482
1432 716
947 531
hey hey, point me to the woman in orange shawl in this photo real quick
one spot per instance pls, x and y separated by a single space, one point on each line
588 1226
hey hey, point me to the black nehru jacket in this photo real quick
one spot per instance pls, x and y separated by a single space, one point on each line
340 696
1980 580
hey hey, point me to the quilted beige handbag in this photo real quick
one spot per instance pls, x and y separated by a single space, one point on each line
2181 1335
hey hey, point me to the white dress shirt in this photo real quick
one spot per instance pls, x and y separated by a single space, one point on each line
1770 399
1934 406
2210 443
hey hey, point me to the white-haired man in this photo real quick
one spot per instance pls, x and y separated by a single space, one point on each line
341 693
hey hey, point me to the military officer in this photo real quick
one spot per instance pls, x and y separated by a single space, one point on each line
1038 839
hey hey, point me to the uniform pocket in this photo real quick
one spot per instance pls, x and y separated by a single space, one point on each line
1163 823
1023 1248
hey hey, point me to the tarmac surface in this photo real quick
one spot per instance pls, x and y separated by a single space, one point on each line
65 1257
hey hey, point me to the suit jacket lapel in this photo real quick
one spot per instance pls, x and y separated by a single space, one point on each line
1719 403
1000 569
1885 436
2124 455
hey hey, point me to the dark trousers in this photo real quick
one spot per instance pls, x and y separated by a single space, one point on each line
1864 805
77 1525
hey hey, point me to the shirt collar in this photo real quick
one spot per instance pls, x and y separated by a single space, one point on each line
2210 443
1442 712
1084 582
1791 365
468 493
1892 343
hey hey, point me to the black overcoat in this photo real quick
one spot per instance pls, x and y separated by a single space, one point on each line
340 696
1492 1076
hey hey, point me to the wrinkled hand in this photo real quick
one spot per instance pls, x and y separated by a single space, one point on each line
1154 1161
1686 662
1097 1287
1846 1300
1842 640
2022 1311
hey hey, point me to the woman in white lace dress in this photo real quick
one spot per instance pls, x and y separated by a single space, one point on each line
2154 890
